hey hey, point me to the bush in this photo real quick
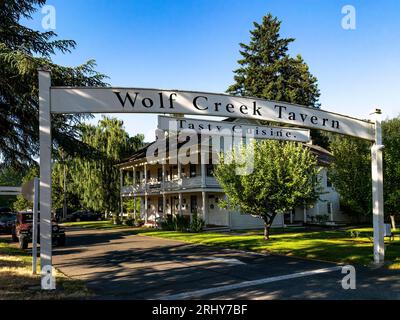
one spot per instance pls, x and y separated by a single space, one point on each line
138 222
322 218
197 223
181 223
167 224
177 223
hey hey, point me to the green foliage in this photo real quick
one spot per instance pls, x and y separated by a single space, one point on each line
129 221
130 204
175 223
197 224
22 52
267 71
21 203
96 179
391 165
350 173
351 170
321 218
284 176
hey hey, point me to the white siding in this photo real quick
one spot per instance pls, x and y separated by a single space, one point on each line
246 221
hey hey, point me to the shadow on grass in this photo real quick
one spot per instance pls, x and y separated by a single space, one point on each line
17 281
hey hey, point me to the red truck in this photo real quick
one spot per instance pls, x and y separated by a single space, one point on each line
22 230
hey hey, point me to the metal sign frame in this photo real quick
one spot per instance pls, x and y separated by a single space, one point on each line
134 100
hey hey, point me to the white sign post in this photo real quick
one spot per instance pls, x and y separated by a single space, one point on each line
45 180
139 100
377 191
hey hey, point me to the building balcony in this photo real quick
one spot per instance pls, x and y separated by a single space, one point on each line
169 185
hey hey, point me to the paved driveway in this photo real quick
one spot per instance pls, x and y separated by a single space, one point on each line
116 264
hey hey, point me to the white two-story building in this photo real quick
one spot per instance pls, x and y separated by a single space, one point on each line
176 189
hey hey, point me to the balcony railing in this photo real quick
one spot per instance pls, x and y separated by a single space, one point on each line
177 184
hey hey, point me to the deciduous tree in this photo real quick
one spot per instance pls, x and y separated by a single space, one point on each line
284 177
351 170
96 179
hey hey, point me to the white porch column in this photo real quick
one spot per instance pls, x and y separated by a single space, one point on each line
145 194
163 191
203 169
180 203
134 206
305 214
331 209
134 176
145 209
48 282
204 205
121 184
377 191
179 173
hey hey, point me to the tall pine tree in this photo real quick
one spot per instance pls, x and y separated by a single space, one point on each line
267 71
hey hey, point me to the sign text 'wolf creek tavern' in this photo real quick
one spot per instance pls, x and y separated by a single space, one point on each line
224 128
132 100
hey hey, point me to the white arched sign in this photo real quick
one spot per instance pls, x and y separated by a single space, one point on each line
137 100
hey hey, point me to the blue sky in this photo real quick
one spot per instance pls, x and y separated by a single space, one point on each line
194 45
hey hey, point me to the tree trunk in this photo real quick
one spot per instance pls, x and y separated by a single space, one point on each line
266 230
392 220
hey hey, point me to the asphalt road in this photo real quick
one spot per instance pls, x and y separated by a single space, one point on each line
119 265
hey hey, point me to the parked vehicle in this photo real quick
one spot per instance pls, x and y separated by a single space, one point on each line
7 220
84 215
22 231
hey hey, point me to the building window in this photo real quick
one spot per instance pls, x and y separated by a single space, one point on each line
137 177
210 168
193 204
328 182
329 207
160 205
148 175
192 170
159 174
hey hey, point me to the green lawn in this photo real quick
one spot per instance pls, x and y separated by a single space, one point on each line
17 281
337 246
